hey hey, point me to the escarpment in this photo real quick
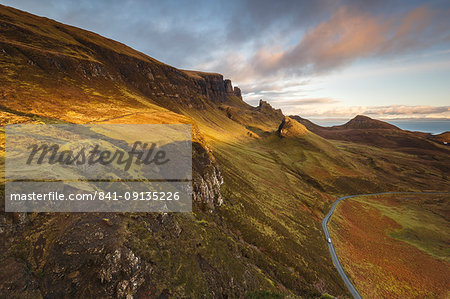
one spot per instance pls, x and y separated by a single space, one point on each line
258 194
60 56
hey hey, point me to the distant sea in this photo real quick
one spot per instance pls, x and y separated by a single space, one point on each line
432 126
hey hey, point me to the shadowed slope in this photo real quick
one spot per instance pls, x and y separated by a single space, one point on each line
264 239
363 129
364 122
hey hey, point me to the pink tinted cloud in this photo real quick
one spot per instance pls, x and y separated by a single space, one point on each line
394 111
349 35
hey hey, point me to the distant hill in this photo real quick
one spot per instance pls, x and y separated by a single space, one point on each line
443 137
262 182
363 129
364 122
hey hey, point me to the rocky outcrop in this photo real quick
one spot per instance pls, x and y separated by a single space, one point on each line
97 61
206 178
123 273
237 92
291 128
267 109
214 87
68 253
228 86
230 91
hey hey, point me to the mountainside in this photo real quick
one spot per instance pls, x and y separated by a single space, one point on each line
291 128
441 138
262 182
397 236
70 63
362 122
365 130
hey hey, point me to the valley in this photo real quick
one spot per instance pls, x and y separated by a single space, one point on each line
400 243
262 182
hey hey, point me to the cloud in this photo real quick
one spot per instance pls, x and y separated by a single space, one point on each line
349 35
327 43
407 110
275 50
251 20
305 101
388 112
237 37
171 31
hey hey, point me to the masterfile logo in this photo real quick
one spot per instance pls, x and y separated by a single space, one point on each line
98 167
52 154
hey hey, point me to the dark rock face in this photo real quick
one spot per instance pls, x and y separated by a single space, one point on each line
123 272
17 279
167 86
280 128
267 109
86 251
230 91
214 87
237 92
207 178
228 86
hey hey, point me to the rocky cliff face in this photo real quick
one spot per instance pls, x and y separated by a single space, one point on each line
267 109
228 86
237 92
230 91
68 52
167 86
92 251
58 73
214 87
98 63
206 177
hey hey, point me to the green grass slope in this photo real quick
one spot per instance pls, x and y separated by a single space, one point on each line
395 245
279 179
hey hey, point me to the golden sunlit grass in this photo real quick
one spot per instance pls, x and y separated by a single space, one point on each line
394 245
276 189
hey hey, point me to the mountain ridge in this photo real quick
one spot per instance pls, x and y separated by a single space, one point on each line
365 122
97 60
363 129
258 199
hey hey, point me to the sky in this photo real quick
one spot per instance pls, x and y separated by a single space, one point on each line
317 59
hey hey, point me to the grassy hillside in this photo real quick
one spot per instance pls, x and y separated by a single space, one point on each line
395 245
365 130
257 234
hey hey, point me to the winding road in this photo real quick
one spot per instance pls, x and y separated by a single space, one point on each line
334 257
